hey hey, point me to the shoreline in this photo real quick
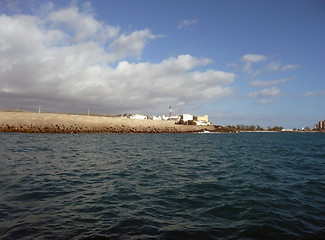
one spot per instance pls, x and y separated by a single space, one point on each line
28 122
33 122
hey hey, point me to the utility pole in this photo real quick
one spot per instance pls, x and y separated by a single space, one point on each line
39 109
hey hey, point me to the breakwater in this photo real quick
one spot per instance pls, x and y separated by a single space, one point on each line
68 123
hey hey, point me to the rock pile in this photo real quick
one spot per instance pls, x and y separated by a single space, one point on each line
61 128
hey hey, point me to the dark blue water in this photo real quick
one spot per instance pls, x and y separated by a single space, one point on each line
162 186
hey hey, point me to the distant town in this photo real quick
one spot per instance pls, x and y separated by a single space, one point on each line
186 119
189 119
320 127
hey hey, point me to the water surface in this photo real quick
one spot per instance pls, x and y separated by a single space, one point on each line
162 186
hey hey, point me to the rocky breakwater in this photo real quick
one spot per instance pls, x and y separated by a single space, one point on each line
68 123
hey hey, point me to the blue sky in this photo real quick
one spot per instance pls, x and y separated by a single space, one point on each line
240 62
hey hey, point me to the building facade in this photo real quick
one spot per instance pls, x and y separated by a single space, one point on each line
138 116
187 117
205 118
320 126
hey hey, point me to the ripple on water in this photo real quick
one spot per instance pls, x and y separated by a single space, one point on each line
162 186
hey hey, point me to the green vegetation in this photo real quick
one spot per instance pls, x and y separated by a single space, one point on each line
249 128
246 128
190 122
307 129
11 110
181 121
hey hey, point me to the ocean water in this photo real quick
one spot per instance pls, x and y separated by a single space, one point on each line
162 186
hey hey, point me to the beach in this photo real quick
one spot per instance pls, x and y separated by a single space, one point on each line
31 122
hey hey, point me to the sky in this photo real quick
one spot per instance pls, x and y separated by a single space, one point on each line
240 62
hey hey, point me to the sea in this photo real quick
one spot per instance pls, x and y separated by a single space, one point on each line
162 186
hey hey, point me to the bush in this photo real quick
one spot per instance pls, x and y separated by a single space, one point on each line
190 122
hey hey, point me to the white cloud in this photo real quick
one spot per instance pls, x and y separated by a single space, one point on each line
273 66
289 67
83 25
42 9
12 5
253 58
249 59
261 83
186 23
184 63
249 70
171 79
276 66
131 45
320 93
233 64
267 92
40 64
264 101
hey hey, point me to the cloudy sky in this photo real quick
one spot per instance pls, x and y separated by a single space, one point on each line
240 62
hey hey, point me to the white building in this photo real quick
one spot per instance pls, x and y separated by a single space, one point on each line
287 130
203 121
156 117
175 118
187 117
138 116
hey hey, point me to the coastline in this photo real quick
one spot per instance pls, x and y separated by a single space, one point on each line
28 122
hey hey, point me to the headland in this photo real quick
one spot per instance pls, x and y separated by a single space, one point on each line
31 122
